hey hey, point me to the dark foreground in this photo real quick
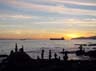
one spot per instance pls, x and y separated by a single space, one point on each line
20 61
50 65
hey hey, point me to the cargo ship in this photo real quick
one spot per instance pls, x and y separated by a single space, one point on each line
62 38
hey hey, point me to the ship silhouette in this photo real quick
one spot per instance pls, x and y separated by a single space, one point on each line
62 38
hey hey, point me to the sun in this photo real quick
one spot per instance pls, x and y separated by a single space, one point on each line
18 32
70 36
73 35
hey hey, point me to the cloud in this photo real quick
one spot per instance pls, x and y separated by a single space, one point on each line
20 16
74 2
53 9
86 22
70 21
16 16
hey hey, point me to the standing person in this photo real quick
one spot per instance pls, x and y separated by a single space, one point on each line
16 48
65 57
50 54
42 54
55 56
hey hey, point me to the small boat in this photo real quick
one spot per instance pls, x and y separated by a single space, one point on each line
81 44
92 44
3 55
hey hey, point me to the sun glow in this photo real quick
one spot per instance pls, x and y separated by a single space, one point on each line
70 36
18 32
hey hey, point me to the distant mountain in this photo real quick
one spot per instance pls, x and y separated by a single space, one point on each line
91 37
13 39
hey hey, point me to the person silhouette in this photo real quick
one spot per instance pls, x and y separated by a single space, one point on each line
42 54
55 56
21 49
81 48
16 48
50 54
65 57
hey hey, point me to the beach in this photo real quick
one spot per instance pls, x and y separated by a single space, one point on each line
34 47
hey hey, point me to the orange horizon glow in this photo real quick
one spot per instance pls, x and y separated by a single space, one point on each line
19 35
72 35
33 19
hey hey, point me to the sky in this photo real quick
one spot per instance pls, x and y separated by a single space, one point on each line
42 19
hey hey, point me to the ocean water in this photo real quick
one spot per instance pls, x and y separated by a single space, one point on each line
34 47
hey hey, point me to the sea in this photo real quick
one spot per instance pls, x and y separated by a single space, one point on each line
34 47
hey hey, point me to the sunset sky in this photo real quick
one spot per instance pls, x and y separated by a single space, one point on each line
42 19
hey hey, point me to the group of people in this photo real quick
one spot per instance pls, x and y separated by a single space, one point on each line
65 56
